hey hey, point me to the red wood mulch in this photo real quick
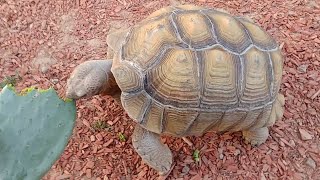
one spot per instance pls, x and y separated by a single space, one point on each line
44 40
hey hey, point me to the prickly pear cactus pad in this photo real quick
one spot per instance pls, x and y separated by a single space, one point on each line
35 127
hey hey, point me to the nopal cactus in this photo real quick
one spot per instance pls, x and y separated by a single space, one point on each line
35 127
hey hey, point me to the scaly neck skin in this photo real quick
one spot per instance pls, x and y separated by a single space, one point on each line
111 87
117 97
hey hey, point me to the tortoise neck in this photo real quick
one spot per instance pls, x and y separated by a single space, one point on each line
111 87
117 98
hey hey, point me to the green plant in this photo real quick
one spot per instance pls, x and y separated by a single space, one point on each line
196 155
35 127
122 137
10 80
99 125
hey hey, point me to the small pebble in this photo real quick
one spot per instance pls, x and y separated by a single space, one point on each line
310 162
117 9
221 156
263 177
92 138
292 143
185 169
236 152
303 68
220 153
54 81
305 135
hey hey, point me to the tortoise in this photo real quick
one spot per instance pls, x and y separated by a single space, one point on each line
186 70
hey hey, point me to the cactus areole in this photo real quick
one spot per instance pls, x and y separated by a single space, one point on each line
35 127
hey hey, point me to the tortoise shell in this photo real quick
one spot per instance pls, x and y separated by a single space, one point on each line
186 70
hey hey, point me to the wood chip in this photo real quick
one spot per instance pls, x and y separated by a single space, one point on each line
187 141
90 164
315 94
304 134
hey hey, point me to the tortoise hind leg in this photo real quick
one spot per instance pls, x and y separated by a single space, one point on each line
256 136
152 151
260 135
277 110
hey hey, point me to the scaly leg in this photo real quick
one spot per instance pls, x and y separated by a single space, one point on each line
152 151
256 136
277 110
260 135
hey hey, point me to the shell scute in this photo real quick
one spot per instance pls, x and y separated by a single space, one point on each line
259 36
220 78
194 29
176 122
154 117
175 80
277 64
136 105
256 79
204 121
147 40
229 31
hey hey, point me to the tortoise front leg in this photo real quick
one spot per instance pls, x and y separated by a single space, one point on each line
152 151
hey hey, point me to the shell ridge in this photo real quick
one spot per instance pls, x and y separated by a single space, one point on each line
217 45
216 123
173 22
202 109
140 73
126 39
212 29
252 42
163 120
146 109
200 64
236 123
191 124
256 44
255 120
158 57
267 121
240 80
248 34
271 75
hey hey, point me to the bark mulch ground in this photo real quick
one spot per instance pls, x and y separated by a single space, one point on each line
42 41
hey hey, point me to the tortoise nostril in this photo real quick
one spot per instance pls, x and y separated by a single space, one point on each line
80 93
69 95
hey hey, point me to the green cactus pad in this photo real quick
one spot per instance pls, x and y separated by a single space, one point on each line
35 127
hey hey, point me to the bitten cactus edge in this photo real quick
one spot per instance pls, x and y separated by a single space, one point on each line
35 127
